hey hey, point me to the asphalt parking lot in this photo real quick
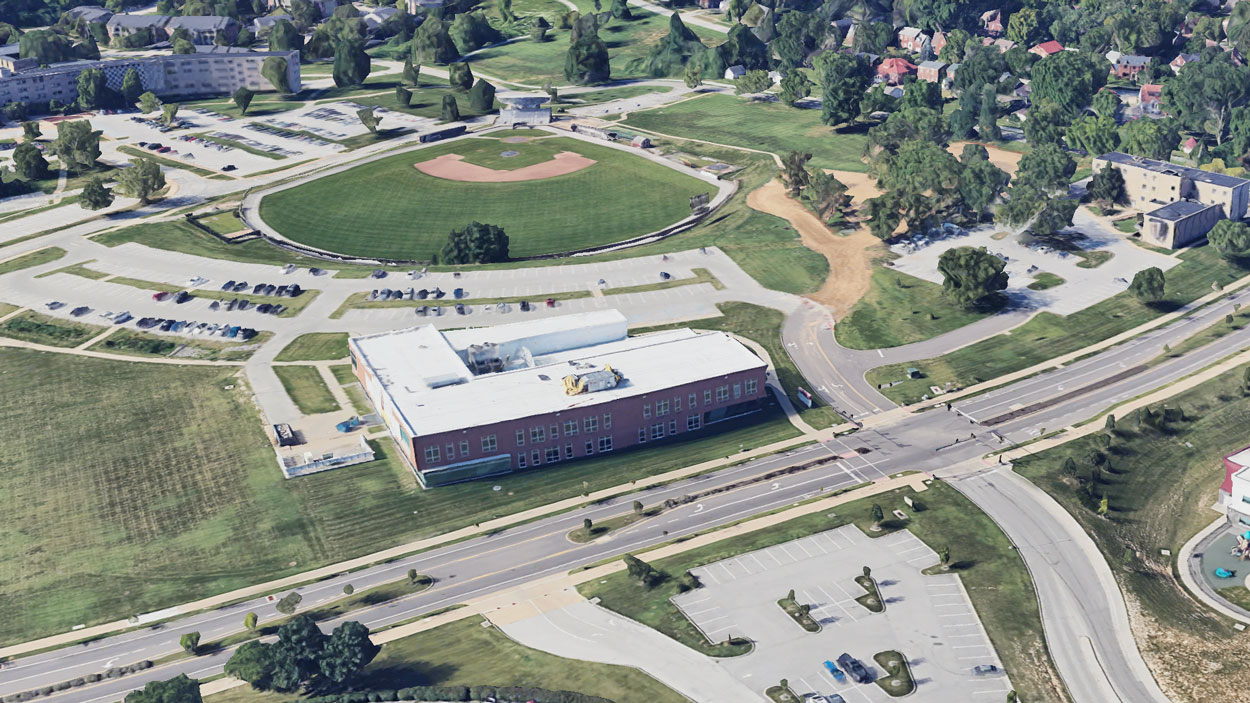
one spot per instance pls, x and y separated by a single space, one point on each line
927 618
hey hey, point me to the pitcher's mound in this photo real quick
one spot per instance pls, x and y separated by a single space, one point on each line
453 167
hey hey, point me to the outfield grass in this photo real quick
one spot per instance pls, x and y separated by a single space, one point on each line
727 119
307 389
609 94
31 326
464 653
315 346
181 237
993 574
1160 486
34 258
388 208
1047 335
900 309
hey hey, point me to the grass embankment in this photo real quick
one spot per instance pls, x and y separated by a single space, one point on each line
1160 485
136 343
31 326
465 653
92 537
1231 323
223 223
993 574
390 209
315 346
34 258
901 309
1047 335
763 326
307 389
727 119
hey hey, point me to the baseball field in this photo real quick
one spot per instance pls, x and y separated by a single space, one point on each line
550 194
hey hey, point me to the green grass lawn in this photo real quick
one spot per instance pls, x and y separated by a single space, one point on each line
135 343
900 309
609 94
727 119
1045 280
390 209
427 101
307 389
179 497
315 346
31 326
34 258
464 653
223 222
1047 335
993 573
1160 486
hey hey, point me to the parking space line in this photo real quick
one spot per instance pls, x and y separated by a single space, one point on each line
787 552
828 535
799 544
838 603
758 562
955 615
816 545
705 573
726 568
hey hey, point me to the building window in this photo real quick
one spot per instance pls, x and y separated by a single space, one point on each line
451 451
555 432
657 431
590 447
672 427
692 401
464 448
693 422
568 451
677 404
737 391
607 421
431 454
534 456
722 394
590 424
520 460
553 455
707 397
489 444
605 444
570 428
646 410
642 435
661 408
538 434
752 386
1245 499
520 438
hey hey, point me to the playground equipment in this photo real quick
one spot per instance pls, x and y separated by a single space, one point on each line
1241 550
1223 573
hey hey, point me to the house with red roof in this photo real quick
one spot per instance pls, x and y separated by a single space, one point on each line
992 22
1150 97
893 70
1045 49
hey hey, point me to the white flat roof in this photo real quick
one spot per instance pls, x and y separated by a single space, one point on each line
1241 458
422 370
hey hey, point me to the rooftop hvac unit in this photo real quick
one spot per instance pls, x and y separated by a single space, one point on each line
591 381
484 358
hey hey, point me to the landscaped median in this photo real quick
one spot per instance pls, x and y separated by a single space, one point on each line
144 344
34 258
896 679
37 328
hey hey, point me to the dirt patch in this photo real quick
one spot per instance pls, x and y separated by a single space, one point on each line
453 167
1006 160
850 257
515 140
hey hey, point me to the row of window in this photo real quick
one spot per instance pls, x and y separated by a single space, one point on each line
663 407
657 431
540 434
552 454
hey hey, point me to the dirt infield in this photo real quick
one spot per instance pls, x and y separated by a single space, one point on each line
515 140
453 167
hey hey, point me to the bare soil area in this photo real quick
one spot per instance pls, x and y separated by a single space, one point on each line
453 167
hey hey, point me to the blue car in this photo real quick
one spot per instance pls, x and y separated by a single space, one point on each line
835 672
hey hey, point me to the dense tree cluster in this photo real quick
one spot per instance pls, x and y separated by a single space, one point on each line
475 244
304 658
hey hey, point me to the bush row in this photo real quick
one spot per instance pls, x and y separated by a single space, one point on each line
503 694
112 673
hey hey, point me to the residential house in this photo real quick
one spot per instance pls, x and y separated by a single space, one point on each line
992 22
913 40
894 70
1049 48
733 73
262 25
931 71
1126 66
204 29
1003 44
89 13
325 7
709 4
123 25
1150 99
376 16
1189 145
938 42
1181 60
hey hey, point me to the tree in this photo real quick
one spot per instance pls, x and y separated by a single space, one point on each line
922 94
351 63
244 38
403 96
92 89
475 244
94 195
1109 425
274 70
168 112
540 27
1022 27
1231 239
76 145
149 103
752 82
1107 103
183 46
179 689
945 555
470 31
190 642
876 100
587 524
1203 94
878 516
641 571
288 603
412 72
132 87
31 131
451 111
368 118
587 60
987 119
867 572
412 577
1046 124
1068 80
843 79
825 194
432 44
971 275
253 662
243 98
883 216
29 162
346 653
1048 166
460 76
284 36
1093 135
482 96
45 46
1107 186
694 74
620 10
249 621
1148 285
1153 139
141 179
638 507
980 184
794 171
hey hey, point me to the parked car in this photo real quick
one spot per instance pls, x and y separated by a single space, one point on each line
525 306
263 308
276 309
423 294
423 310
80 311
459 308
438 293
228 286
984 670
854 668
122 318
161 296
378 273
228 167
182 297
664 275
215 305
457 293
835 672
551 302
55 305
258 289
167 325
240 286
